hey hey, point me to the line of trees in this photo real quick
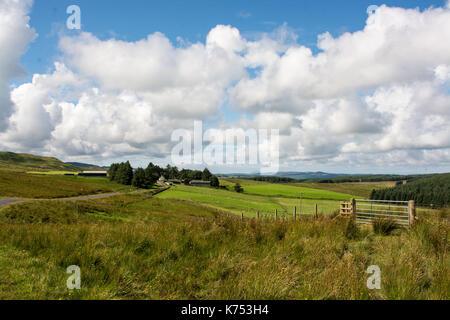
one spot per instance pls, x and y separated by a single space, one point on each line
145 178
366 178
431 190
121 173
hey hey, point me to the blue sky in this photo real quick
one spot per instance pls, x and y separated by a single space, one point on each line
192 20
374 97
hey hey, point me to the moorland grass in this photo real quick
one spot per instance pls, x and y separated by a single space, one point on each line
23 185
137 247
21 162
384 226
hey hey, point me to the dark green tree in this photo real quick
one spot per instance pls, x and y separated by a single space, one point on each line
171 172
139 180
124 174
206 175
214 182
154 170
152 174
112 171
150 179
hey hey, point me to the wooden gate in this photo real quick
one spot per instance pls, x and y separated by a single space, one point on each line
346 208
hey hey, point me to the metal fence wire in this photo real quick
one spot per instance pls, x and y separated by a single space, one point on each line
366 211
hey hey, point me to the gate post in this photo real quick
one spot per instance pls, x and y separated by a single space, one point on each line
412 212
353 207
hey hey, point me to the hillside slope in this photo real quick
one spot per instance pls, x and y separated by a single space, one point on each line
23 185
10 160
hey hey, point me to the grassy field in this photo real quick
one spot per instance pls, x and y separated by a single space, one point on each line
285 190
23 185
248 204
134 246
358 189
185 243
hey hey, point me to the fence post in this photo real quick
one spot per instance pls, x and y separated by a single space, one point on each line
242 216
412 212
276 214
316 211
257 214
295 213
353 209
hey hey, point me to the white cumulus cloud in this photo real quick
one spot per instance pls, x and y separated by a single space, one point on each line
15 35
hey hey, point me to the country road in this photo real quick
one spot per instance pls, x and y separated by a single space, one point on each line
4 202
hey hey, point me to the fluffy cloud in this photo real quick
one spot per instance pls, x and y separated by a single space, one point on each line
99 122
372 91
15 35
36 109
189 80
389 49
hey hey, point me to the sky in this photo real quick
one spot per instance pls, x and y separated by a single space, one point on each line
349 91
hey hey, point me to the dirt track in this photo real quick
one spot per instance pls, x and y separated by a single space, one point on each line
4 202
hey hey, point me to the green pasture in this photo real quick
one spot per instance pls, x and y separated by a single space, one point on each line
285 190
248 204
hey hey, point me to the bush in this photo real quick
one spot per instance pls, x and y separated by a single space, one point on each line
238 188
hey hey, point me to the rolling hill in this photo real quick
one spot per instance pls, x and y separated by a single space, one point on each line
18 161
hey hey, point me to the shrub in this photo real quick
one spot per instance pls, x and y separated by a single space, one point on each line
238 188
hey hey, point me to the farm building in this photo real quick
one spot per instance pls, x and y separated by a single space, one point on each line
175 181
199 183
93 174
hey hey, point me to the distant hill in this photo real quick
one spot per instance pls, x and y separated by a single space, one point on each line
23 161
86 165
290 175
310 175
